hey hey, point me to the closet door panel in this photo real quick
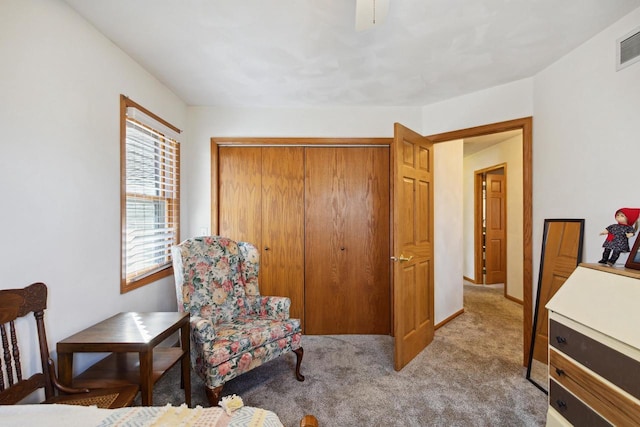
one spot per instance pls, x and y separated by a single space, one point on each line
347 240
326 307
240 193
282 251
367 235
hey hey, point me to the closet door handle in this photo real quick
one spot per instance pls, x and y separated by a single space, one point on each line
266 248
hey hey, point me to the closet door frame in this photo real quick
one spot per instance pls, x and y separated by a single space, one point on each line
303 142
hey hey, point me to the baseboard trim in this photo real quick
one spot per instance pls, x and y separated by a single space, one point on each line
469 280
449 319
519 301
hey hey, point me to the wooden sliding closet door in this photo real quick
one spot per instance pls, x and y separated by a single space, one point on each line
347 283
240 194
261 201
282 260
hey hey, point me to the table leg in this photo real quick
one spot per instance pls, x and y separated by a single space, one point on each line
65 368
146 377
185 340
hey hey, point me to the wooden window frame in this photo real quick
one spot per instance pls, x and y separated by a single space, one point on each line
172 210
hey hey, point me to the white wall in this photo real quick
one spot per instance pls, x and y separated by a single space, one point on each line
509 152
586 139
60 82
448 208
497 104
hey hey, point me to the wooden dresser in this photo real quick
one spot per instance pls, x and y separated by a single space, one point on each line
594 348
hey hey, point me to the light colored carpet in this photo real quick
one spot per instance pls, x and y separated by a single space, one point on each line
471 375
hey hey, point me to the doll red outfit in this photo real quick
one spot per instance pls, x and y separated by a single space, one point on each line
617 240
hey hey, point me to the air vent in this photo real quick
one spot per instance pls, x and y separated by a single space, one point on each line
628 49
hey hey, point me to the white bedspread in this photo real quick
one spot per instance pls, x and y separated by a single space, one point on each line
143 416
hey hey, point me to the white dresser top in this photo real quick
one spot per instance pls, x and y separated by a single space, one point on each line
603 300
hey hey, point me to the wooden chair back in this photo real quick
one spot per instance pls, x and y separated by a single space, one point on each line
14 304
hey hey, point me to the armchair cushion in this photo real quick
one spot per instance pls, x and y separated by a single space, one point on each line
245 344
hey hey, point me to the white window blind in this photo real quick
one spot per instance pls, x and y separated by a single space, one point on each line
152 189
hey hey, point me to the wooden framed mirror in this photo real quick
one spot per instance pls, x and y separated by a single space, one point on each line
561 254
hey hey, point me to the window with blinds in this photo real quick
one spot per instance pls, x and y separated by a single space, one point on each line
150 195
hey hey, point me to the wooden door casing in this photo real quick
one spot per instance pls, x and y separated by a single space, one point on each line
347 240
496 229
525 124
412 210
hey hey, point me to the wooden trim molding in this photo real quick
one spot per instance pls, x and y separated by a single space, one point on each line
214 179
478 260
516 300
300 141
526 125
449 319
129 103
174 202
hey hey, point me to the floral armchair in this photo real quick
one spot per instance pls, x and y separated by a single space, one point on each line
233 328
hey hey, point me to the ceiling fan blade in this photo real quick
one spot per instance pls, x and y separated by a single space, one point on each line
370 13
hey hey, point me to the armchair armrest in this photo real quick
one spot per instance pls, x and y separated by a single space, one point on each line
202 329
271 307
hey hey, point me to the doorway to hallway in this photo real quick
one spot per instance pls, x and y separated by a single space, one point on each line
526 126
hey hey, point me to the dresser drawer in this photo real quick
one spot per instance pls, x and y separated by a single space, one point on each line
572 409
616 367
607 400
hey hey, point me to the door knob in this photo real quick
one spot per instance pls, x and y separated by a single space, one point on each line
401 258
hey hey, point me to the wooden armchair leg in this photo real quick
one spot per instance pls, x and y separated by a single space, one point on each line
299 353
213 395
309 421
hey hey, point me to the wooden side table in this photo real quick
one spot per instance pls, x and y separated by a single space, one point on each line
124 335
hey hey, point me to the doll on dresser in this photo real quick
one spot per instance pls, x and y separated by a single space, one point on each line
618 235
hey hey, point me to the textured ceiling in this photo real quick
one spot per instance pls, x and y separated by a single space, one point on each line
289 53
